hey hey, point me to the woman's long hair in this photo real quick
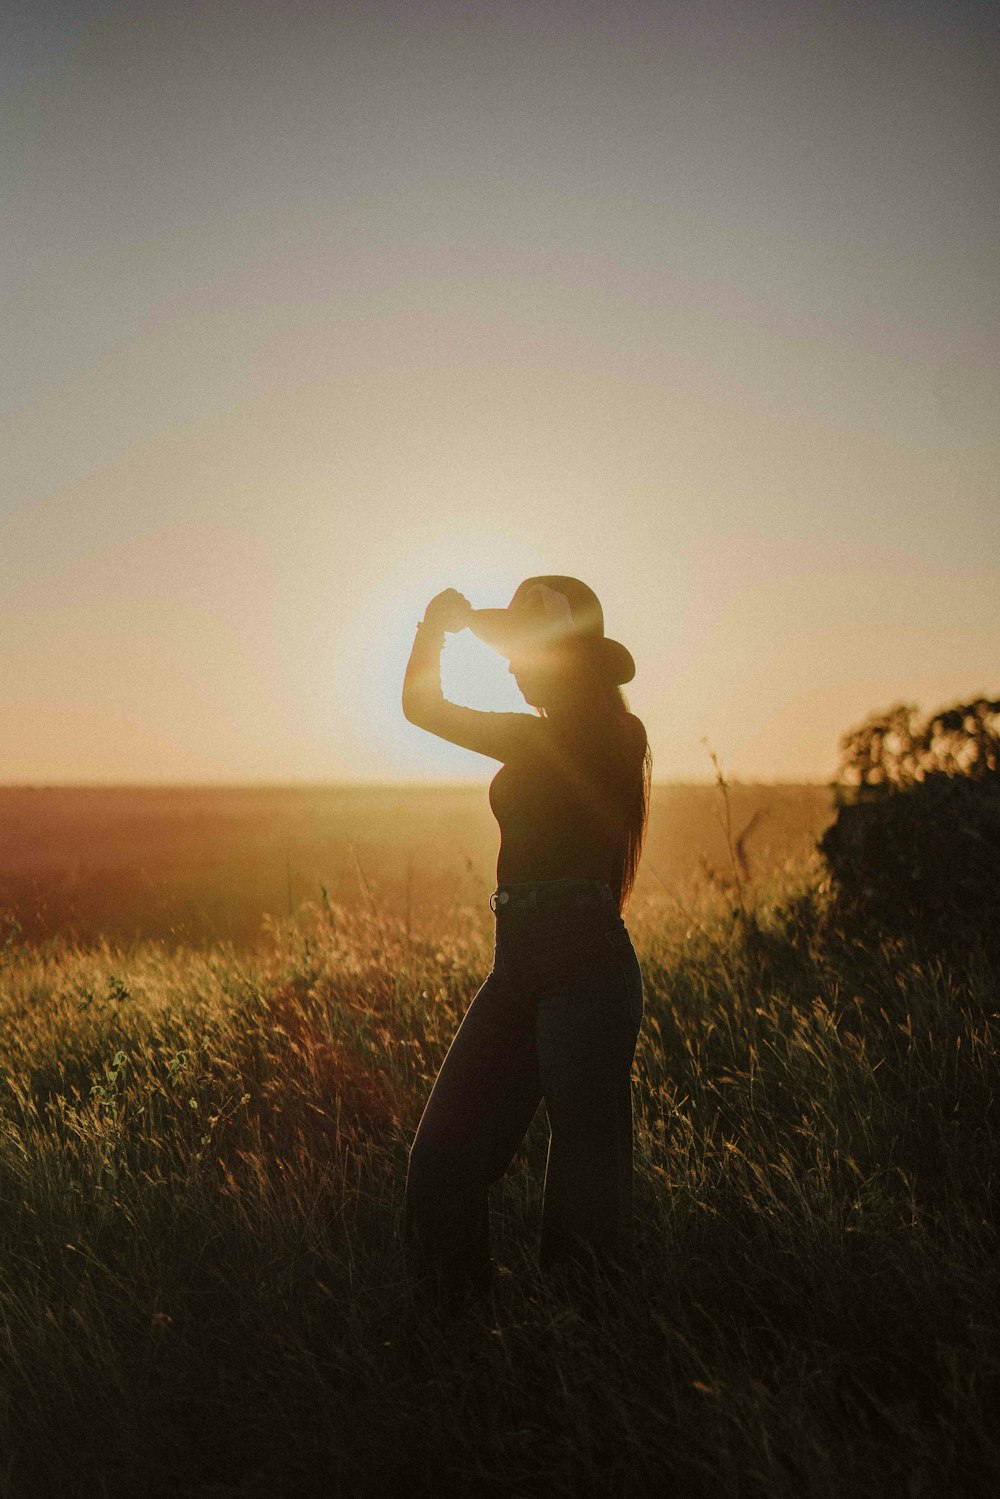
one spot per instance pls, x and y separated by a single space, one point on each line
637 813
600 708
636 803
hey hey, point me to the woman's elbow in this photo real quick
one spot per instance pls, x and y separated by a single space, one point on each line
414 711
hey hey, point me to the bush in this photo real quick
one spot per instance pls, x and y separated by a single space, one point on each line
923 864
915 847
893 750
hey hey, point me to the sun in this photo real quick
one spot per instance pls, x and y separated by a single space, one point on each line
373 650
477 676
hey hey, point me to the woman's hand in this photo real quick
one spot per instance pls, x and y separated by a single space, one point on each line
448 611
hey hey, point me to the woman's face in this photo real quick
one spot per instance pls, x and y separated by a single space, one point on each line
533 676
541 677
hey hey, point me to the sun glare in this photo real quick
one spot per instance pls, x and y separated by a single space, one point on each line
375 646
475 675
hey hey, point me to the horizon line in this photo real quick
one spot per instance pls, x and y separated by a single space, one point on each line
358 785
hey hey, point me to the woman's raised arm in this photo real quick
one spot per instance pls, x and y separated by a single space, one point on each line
499 735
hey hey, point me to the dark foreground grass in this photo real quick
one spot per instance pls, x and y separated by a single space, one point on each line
201 1168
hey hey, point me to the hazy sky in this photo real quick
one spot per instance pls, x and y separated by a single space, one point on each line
310 310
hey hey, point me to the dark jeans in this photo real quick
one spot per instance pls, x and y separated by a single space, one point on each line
557 1018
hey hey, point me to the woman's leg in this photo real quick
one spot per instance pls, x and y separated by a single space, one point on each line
479 1109
586 1041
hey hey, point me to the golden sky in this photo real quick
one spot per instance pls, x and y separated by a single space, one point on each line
310 311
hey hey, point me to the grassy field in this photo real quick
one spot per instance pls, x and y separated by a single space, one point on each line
203 1153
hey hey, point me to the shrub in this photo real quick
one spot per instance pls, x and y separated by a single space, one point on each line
915 846
892 750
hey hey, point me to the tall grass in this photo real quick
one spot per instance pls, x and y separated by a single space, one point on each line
201 1165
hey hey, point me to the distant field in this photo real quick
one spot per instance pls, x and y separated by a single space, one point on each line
205 864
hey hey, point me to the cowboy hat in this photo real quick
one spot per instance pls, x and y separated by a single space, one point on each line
553 610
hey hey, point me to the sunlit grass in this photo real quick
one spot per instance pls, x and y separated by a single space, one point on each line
201 1289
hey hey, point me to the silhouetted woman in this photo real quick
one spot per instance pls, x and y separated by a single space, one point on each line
558 1016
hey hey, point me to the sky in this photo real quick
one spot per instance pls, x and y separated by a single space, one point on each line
311 310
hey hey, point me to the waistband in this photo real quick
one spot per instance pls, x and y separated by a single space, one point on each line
545 895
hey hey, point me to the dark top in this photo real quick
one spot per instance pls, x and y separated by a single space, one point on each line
563 803
564 792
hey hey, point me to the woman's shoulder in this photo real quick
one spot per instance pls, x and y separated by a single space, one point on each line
623 738
621 734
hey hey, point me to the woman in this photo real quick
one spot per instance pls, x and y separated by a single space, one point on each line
558 1016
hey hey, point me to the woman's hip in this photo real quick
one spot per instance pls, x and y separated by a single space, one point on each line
555 936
